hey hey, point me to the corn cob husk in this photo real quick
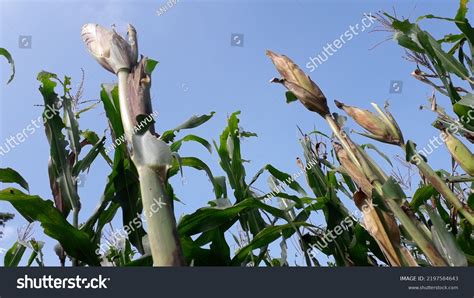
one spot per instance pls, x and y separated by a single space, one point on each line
380 224
460 153
300 84
388 236
110 49
382 127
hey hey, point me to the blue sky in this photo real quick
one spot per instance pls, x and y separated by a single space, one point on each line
200 71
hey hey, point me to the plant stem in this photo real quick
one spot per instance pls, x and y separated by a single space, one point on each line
442 188
459 179
337 132
428 249
75 217
425 245
75 223
158 208
163 237
127 120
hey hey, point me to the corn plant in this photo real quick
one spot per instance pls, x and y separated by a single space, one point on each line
431 227
434 241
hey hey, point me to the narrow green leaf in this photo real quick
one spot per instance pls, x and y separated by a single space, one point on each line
421 195
444 241
70 122
194 121
449 62
86 109
392 190
286 179
177 144
264 238
8 56
14 254
373 147
9 175
75 242
84 164
290 97
150 65
58 144
209 218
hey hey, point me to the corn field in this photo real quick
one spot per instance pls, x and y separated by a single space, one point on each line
243 225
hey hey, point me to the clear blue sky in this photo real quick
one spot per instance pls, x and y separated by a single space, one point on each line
200 71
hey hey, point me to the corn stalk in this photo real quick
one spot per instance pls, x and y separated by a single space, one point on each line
310 95
151 156
420 239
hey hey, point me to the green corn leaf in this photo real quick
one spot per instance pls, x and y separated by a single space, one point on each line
463 108
444 241
463 23
75 242
110 100
8 56
392 190
196 163
93 138
70 122
209 218
448 61
86 109
14 255
421 195
264 238
373 147
286 179
177 144
290 97
9 175
194 121
84 164
37 253
54 125
150 65
123 187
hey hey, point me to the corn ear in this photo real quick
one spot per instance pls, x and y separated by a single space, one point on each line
387 237
352 170
460 153
300 84
381 127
